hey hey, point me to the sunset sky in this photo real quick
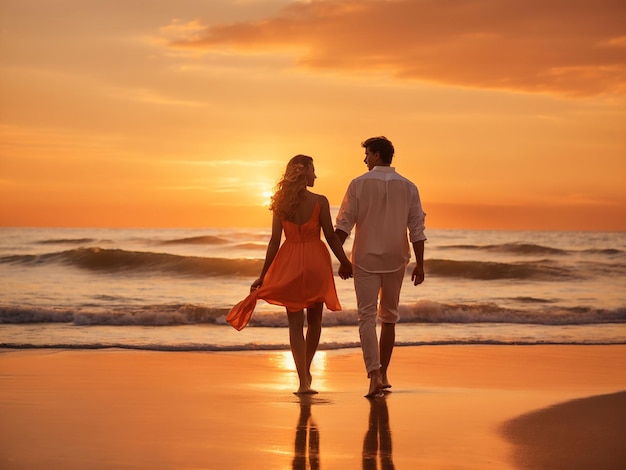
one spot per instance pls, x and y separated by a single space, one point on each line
182 113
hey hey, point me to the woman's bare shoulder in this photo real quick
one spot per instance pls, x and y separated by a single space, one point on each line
321 199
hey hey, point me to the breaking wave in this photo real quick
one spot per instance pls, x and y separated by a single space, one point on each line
488 270
66 241
514 248
528 249
117 260
421 312
201 240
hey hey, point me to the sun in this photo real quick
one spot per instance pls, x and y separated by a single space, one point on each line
267 198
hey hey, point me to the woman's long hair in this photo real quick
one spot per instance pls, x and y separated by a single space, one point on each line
291 188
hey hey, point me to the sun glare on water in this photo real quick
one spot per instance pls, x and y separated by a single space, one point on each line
284 360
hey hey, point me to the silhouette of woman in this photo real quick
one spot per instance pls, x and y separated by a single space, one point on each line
307 445
298 274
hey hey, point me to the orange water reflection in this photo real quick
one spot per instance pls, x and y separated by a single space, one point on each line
284 360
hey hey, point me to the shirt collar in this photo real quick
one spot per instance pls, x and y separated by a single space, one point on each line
385 169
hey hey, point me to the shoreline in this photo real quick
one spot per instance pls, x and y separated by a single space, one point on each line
211 337
453 406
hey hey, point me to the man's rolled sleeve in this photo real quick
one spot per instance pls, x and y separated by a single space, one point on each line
346 218
417 219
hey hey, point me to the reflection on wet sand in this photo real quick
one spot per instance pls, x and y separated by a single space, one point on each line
585 433
307 446
377 441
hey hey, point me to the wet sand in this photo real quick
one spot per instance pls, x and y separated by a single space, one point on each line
451 407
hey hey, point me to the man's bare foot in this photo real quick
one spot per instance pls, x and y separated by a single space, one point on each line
376 384
385 381
305 391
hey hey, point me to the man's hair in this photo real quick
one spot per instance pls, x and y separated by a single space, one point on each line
382 145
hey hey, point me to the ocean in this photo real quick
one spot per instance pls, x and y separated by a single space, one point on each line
170 289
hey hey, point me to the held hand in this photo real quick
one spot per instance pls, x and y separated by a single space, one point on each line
256 284
345 271
418 275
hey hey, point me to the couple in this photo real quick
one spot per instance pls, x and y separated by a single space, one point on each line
381 205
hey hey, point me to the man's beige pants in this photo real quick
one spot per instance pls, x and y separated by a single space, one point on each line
369 287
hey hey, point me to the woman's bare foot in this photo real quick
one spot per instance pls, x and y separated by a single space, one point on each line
376 384
305 391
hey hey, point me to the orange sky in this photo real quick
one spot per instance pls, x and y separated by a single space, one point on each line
506 114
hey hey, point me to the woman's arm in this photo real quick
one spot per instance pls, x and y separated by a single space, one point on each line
345 271
272 249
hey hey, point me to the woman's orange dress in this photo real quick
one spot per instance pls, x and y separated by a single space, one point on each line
300 275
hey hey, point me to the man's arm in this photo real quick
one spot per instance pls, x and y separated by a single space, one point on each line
346 218
418 272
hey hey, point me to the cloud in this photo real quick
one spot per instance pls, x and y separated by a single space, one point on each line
222 185
571 47
232 163
153 97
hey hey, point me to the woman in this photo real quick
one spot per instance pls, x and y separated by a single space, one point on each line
298 274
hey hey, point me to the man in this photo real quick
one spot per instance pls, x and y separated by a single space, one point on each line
382 205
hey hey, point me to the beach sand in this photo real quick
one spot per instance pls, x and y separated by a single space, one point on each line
452 407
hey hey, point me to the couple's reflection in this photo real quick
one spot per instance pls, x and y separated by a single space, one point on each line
377 441
307 446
